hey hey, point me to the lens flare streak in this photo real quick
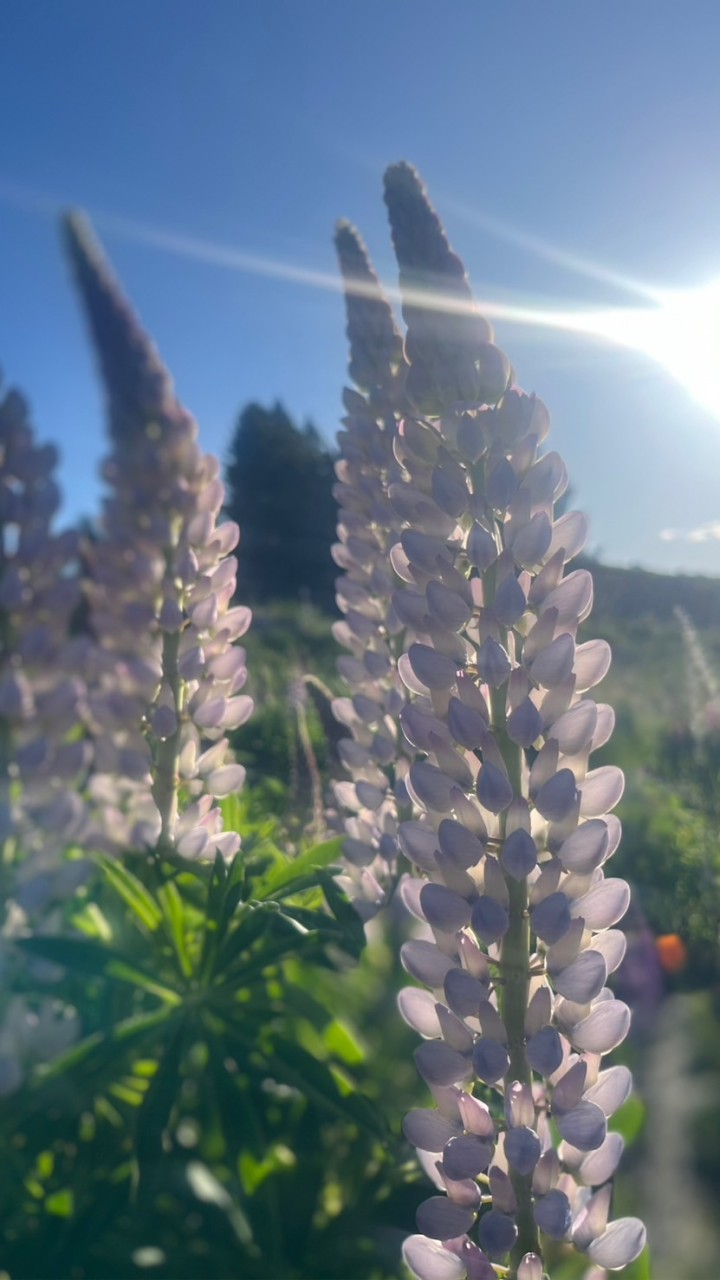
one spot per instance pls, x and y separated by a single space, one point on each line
680 330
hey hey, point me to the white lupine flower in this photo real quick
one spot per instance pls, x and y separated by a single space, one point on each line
367 527
42 694
161 588
513 828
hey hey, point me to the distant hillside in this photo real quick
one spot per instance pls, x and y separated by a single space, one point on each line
628 594
648 680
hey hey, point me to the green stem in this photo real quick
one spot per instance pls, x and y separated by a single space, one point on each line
513 995
167 752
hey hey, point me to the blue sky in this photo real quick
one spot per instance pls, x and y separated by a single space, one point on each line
594 129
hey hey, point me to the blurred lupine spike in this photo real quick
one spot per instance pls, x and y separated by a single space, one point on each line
168 678
367 528
511 827
374 339
137 384
42 692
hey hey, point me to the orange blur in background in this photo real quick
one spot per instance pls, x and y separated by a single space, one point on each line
672 952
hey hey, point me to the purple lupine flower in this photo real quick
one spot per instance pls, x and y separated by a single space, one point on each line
41 692
169 676
367 528
514 827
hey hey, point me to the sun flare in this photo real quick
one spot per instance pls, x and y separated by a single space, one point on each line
679 329
682 333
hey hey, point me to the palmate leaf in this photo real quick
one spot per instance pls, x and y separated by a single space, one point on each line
282 938
133 892
218 912
344 913
252 924
113 1046
174 916
301 1002
294 1066
57 1094
268 935
217 887
85 955
262 927
283 877
157 1107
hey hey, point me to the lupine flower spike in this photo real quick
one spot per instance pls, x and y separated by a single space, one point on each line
42 753
41 697
514 828
367 527
161 585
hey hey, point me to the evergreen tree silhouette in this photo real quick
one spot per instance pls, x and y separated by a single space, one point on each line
279 480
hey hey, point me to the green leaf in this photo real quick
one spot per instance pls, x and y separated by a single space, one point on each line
345 914
216 887
236 890
122 1091
61 1204
253 1173
301 1002
124 1033
641 1268
84 955
138 978
215 921
248 928
630 1119
206 1188
93 923
294 940
320 855
293 1064
232 815
174 913
234 1113
341 1043
157 1107
133 893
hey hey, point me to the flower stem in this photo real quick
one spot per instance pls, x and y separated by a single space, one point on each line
513 997
167 781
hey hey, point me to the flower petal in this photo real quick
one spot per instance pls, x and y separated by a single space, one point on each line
428 1130
603 1029
440 1219
620 1245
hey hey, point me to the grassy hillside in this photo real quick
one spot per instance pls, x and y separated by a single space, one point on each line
633 610
636 594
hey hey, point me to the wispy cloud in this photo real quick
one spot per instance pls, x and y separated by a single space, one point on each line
709 532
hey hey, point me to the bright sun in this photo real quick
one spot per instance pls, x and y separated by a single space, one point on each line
680 330
682 333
